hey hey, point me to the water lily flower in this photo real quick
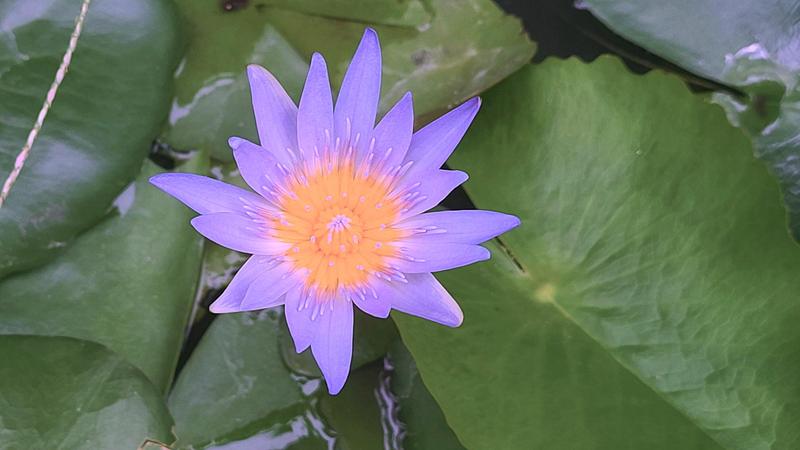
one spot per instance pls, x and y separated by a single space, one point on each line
338 214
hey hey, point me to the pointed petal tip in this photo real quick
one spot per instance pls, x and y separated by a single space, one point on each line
507 222
370 33
370 44
408 97
256 72
473 103
335 385
234 142
300 347
158 180
459 318
216 308
317 58
255 69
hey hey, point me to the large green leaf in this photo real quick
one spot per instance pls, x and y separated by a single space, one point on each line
107 111
127 283
64 393
752 45
461 49
652 293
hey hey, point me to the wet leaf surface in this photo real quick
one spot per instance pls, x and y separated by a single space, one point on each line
107 111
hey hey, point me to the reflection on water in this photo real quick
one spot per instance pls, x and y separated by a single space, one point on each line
393 429
124 200
303 431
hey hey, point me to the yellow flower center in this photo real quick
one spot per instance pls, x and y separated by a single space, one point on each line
338 220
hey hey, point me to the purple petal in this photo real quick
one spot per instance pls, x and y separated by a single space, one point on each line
333 343
466 227
357 103
432 145
424 297
298 318
393 133
371 303
315 115
424 192
207 195
238 232
417 256
231 298
276 114
270 287
256 165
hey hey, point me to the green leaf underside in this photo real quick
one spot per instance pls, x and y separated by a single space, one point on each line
58 392
107 111
754 46
657 289
128 283
444 61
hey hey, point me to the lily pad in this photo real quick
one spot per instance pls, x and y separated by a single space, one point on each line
649 298
107 111
58 392
128 283
461 49
753 46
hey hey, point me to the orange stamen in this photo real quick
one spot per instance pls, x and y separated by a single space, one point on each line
338 220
